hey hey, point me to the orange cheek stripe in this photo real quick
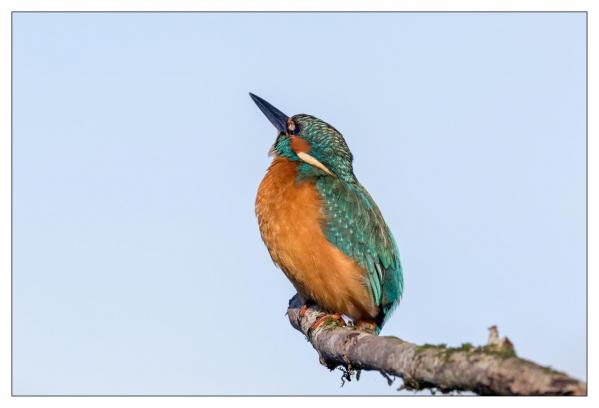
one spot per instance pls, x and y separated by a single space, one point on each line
299 145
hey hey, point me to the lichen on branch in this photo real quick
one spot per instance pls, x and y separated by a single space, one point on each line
491 369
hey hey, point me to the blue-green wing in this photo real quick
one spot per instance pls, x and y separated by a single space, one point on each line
356 226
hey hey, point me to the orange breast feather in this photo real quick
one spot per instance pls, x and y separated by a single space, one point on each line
289 216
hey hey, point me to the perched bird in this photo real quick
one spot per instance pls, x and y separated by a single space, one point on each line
320 225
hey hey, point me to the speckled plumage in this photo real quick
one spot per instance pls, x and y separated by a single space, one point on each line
354 224
364 279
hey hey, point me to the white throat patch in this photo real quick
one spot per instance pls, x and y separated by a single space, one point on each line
305 157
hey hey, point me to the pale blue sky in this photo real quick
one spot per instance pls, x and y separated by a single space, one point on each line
137 263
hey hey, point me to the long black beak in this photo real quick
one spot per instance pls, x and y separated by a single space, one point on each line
276 117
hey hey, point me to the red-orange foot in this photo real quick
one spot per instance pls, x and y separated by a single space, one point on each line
324 318
366 326
303 310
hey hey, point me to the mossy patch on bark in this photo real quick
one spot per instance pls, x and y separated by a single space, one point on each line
446 352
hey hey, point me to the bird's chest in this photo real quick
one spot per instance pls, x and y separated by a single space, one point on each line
289 216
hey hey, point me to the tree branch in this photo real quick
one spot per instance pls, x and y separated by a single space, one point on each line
493 369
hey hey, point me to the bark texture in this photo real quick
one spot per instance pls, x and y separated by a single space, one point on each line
492 369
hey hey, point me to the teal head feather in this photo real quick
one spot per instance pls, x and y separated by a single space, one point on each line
326 143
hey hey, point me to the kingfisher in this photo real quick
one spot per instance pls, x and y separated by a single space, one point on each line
322 228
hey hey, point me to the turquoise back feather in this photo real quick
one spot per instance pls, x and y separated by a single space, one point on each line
355 226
